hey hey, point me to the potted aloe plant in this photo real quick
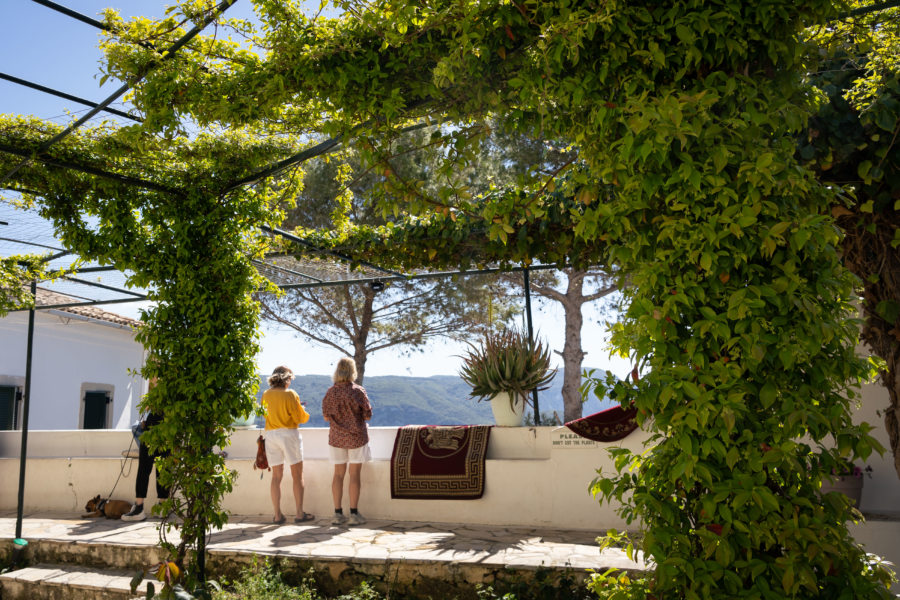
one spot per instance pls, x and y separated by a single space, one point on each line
505 367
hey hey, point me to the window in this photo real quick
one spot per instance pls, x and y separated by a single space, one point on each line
96 410
10 398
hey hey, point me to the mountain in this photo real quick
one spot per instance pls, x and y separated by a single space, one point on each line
436 400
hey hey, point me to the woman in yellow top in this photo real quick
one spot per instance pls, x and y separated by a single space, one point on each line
284 412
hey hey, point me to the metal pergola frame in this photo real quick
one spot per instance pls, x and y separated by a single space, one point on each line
39 155
96 108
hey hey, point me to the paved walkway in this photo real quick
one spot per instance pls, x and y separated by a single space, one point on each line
485 546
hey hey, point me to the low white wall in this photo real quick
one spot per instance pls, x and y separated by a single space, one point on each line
532 477
881 490
535 476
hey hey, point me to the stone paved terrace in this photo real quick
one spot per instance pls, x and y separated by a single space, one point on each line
410 555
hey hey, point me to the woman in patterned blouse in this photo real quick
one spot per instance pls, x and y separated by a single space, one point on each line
346 408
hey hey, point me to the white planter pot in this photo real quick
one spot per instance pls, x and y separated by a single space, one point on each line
506 415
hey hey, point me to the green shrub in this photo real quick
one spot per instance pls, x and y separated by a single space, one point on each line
544 585
265 582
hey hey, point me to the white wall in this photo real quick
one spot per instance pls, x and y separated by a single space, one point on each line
528 481
531 480
881 492
69 353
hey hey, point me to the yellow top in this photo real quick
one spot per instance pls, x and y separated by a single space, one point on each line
283 409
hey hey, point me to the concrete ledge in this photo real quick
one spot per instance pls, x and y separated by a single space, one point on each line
53 582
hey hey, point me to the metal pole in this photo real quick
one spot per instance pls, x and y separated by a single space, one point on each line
534 392
26 403
201 552
59 94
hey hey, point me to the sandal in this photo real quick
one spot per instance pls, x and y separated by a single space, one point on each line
304 518
279 521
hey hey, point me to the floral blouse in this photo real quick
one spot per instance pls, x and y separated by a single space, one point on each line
347 408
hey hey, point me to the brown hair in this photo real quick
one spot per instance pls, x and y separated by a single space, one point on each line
280 377
345 371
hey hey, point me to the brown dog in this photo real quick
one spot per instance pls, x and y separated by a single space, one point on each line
111 509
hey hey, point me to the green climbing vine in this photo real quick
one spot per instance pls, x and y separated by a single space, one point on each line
684 117
16 274
177 230
544 230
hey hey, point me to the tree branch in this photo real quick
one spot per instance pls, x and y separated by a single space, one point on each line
301 330
549 292
602 292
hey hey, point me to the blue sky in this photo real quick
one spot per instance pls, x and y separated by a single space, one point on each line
51 49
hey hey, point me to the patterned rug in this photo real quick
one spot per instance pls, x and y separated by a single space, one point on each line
608 425
439 463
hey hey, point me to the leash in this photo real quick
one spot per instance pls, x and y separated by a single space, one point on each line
121 470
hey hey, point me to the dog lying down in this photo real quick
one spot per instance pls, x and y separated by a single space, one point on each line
111 509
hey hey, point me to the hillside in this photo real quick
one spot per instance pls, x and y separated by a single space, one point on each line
436 400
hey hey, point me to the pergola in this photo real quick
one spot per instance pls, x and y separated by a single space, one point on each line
87 284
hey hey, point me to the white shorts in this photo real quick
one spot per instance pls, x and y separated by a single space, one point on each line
340 456
284 446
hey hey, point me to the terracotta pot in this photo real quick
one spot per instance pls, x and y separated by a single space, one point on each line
506 415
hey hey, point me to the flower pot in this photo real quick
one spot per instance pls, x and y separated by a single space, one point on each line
506 415
848 485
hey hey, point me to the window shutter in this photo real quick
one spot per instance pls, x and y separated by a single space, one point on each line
95 404
7 407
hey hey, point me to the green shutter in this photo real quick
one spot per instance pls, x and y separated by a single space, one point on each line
95 410
7 407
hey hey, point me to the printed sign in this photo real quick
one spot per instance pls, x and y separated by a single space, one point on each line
564 438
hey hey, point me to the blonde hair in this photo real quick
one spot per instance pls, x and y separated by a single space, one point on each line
281 377
345 371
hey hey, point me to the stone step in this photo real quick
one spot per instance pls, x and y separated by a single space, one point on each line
417 559
70 566
95 554
70 582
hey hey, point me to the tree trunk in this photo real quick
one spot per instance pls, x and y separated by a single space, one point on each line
359 357
572 302
868 252
572 354
363 326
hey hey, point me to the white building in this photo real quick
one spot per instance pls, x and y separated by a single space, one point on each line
82 364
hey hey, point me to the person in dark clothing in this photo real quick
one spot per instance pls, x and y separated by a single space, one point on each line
146 460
